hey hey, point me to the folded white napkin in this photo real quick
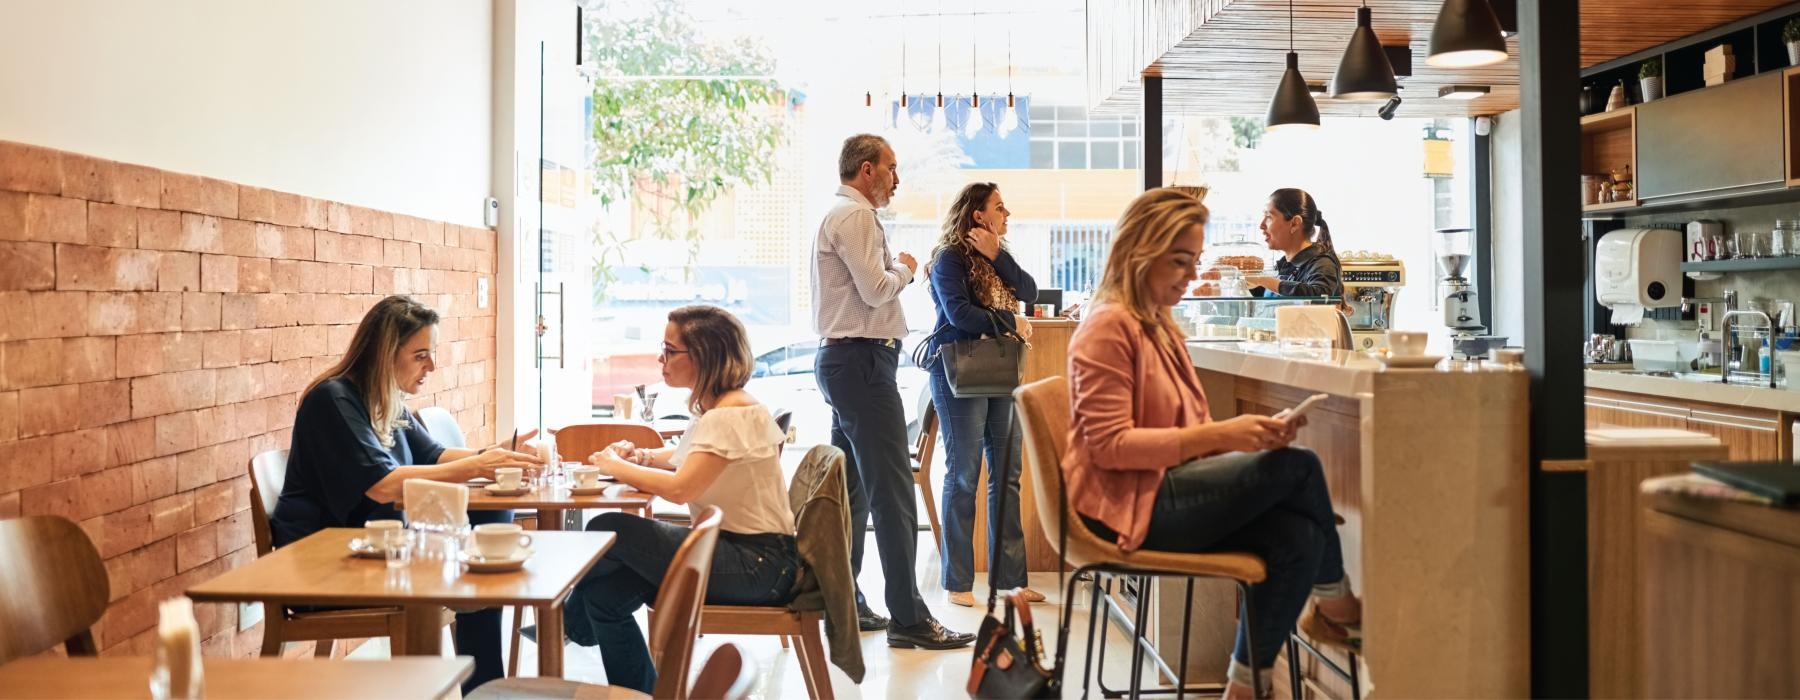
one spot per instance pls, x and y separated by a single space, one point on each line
436 504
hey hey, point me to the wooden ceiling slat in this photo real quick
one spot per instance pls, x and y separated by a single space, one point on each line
1231 61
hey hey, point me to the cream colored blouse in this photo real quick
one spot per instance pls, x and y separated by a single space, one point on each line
751 490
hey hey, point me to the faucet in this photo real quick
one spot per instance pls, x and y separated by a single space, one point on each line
1729 346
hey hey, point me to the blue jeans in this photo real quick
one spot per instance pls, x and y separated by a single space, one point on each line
969 426
746 570
1272 504
868 423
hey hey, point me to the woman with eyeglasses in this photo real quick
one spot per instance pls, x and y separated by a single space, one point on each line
730 457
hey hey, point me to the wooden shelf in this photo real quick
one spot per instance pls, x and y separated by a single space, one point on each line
1610 206
1743 265
1609 142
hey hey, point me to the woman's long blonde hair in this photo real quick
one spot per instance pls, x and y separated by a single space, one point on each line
1146 231
718 347
369 362
985 285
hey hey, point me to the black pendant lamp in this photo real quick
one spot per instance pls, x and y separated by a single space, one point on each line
1364 73
1293 104
1466 35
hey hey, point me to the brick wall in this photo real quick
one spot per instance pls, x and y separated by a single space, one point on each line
155 331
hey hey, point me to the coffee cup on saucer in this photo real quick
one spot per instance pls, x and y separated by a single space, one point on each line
586 477
500 540
1406 343
382 533
509 478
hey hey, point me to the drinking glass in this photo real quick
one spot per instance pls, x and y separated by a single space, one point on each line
398 545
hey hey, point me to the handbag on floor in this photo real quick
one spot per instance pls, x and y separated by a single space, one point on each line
986 367
1009 662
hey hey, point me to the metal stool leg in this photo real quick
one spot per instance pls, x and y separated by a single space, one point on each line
1087 658
1187 616
1137 649
1293 654
1250 641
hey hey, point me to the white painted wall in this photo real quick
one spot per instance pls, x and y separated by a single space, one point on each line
1507 176
379 103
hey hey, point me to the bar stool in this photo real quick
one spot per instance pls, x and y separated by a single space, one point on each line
1043 408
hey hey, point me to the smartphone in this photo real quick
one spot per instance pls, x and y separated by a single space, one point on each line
1300 410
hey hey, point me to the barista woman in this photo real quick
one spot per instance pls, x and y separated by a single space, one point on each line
1309 266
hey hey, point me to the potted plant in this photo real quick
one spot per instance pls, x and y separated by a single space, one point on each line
1650 79
1790 35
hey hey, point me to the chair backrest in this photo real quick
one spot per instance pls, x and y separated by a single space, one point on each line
677 620
53 587
442 426
727 675
577 441
268 473
1043 408
926 438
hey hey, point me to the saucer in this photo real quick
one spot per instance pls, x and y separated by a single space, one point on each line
495 490
595 490
482 565
1410 361
363 549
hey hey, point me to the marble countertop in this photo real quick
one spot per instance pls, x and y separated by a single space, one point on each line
1741 395
1338 372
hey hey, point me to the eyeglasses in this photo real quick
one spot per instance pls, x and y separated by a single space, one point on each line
667 351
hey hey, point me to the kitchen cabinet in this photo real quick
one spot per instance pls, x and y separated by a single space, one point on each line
1748 433
1727 139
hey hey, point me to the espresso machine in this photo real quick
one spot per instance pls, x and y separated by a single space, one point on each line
1462 309
1372 281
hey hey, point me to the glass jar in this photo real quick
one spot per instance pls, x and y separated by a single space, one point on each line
1782 237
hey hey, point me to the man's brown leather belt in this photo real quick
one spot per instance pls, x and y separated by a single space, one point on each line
884 342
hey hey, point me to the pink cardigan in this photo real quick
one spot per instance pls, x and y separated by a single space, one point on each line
1131 393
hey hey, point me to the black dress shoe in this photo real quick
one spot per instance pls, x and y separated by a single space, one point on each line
927 634
868 620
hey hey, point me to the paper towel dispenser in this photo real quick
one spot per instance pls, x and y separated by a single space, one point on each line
1638 267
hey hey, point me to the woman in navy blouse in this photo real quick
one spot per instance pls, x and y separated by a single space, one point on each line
977 288
355 443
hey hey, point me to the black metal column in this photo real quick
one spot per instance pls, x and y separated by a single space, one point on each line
1550 72
1152 133
1481 218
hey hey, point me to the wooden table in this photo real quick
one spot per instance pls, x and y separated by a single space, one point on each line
49 678
551 506
319 570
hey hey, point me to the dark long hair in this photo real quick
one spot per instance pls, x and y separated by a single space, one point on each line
719 348
985 284
369 361
1292 202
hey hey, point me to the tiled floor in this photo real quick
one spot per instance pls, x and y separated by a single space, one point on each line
891 673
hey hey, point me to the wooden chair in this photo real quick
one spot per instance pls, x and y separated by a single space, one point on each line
672 633
268 472
727 675
801 628
53 587
924 447
1043 408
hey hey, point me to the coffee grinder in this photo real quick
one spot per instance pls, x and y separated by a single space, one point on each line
1462 309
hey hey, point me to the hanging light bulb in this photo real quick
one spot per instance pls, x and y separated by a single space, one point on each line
1466 35
1293 103
938 117
1009 120
1364 73
868 99
972 123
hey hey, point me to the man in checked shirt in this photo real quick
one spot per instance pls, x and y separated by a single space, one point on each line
856 285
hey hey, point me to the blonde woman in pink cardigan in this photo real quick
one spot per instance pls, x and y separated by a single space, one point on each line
1148 467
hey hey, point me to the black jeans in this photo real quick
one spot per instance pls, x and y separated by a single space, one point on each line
746 570
868 423
1272 504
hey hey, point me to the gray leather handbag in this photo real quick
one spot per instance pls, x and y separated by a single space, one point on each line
987 367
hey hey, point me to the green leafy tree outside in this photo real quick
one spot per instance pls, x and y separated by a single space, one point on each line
666 131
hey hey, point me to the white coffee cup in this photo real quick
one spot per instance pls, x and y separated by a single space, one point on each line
1406 343
586 477
378 533
509 478
500 540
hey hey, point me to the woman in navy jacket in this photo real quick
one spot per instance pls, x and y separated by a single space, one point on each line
977 288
